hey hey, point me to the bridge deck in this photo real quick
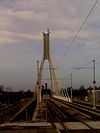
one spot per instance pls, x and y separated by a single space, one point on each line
40 113
41 122
44 127
40 127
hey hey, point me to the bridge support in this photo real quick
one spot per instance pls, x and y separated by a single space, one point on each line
38 85
46 56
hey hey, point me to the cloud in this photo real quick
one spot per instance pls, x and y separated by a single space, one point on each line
23 21
7 37
55 14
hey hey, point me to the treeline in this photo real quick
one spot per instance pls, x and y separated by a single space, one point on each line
79 93
82 92
7 98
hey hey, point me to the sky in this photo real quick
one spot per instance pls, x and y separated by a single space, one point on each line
21 25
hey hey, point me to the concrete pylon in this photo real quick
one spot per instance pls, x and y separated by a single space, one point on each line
46 56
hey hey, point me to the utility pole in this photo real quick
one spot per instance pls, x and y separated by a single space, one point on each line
62 84
94 107
71 88
51 81
63 88
26 115
38 85
46 88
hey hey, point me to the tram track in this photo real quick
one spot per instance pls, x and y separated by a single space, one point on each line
93 113
58 110
9 113
58 115
87 104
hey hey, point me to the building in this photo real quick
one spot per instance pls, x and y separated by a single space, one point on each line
1 88
97 96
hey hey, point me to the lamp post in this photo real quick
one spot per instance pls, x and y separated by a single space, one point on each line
94 107
37 83
71 88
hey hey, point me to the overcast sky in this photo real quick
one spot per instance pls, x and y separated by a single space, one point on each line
21 25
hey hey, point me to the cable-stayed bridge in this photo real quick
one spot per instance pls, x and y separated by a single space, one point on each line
50 112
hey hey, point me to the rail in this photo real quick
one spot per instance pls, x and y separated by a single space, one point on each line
10 112
58 109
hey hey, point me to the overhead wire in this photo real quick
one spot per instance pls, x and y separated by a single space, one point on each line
82 66
70 44
79 68
98 57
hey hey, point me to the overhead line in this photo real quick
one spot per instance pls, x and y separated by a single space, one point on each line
82 66
79 69
70 44
98 57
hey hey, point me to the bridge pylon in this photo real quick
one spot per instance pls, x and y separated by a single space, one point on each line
46 56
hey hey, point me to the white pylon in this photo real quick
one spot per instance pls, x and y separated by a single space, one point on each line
46 56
